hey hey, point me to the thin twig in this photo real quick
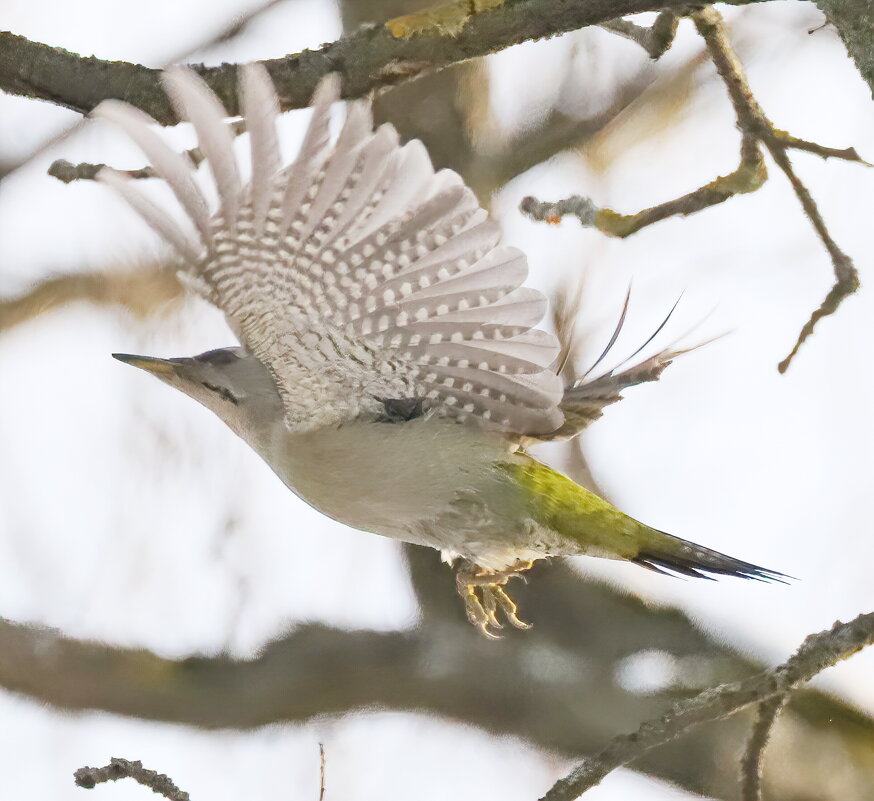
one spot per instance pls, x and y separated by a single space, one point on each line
64 171
846 275
656 40
752 119
751 764
322 772
817 652
749 176
126 769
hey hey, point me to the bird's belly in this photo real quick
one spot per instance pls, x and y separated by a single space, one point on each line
389 477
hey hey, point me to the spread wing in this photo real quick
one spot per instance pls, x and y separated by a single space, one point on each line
357 274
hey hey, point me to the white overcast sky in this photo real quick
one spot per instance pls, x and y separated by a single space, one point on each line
115 493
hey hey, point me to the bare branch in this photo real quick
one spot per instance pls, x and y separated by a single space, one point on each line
66 172
751 764
126 769
140 291
752 120
757 130
321 772
817 652
846 275
369 59
793 142
749 176
656 40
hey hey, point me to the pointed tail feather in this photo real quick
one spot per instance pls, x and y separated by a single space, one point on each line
668 554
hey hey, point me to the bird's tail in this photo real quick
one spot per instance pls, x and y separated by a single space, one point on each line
667 554
599 529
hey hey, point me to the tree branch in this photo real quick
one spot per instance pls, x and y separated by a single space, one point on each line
140 290
817 652
752 120
757 130
119 768
230 32
555 686
66 172
368 59
749 176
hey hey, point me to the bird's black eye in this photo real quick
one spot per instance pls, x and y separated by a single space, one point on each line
223 392
218 357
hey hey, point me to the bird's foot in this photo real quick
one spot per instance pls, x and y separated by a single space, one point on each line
484 595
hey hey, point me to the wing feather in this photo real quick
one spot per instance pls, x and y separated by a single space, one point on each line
192 100
301 177
158 219
359 274
260 109
175 168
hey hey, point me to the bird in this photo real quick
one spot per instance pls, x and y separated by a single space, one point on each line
389 369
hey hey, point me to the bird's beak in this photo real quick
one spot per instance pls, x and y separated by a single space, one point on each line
163 368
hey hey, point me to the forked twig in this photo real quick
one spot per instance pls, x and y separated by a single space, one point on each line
757 131
656 39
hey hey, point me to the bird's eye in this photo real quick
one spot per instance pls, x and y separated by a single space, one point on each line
223 391
218 357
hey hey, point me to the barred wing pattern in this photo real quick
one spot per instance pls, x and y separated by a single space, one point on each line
357 274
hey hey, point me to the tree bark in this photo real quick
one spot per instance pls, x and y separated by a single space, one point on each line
854 22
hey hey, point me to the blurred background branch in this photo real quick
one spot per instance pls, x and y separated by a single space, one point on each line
557 686
142 290
751 762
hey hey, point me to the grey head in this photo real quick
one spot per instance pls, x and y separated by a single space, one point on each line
230 382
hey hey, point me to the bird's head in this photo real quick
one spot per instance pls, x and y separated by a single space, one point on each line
230 382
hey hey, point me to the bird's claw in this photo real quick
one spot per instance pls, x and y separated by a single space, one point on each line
484 595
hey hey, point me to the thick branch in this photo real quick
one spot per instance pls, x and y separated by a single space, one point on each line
370 58
818 652
227 34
